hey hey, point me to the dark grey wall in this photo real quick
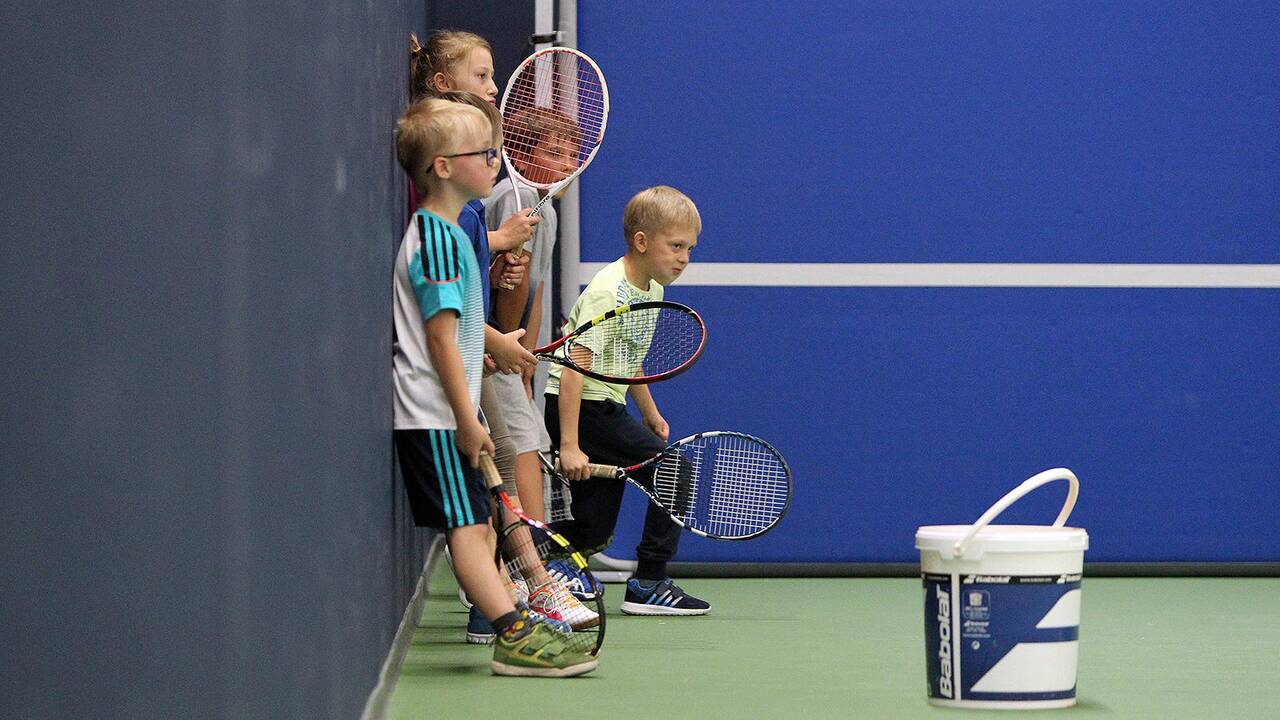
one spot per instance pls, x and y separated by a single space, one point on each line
506 24
201 203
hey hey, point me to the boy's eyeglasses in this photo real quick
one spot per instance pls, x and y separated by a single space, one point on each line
490 155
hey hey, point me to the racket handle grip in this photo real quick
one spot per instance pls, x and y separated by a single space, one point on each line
600 471
492 478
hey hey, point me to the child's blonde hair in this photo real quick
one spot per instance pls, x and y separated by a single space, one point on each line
659 208
444 51
475 101
430 128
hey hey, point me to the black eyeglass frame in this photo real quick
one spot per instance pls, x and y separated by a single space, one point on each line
490 155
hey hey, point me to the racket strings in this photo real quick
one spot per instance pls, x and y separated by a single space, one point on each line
640 343
582 97
736 485
571 87
525 552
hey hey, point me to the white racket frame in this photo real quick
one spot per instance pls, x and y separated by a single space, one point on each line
552 188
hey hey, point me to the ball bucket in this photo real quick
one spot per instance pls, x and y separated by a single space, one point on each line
1002 607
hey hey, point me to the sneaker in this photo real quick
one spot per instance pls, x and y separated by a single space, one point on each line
559 626
536 650
583 585
519 591
542 600
554 598
479 631
665 598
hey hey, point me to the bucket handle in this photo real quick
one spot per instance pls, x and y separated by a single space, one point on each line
1016 494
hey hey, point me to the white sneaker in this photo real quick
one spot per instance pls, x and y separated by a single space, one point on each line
553 599
519 591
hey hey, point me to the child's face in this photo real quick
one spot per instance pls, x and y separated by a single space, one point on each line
475 75
471 173
667 253
553 159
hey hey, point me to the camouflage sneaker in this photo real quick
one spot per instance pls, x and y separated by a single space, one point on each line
534 649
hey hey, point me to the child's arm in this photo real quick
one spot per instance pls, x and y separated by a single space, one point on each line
530 339
508 305
507 271
649 411
442 347
573 462
514 231
517 228
508 354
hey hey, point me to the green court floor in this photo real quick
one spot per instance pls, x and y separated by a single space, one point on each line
846 648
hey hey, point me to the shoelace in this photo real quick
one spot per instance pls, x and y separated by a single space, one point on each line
562 598
575 580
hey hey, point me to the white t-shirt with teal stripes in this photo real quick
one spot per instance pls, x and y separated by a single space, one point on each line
436 271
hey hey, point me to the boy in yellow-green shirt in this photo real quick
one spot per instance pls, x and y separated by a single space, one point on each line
588 419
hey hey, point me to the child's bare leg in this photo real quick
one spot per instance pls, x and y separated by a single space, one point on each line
478 576
529 481
520 543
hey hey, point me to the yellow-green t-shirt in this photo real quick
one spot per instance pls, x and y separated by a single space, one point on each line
608 289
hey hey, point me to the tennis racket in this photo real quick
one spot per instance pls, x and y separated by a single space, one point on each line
526 547
554 111
632 344
720 485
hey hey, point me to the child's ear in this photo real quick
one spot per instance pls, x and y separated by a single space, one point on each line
639 241
440 81
440 166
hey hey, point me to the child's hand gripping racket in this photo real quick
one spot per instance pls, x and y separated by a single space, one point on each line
720 485
533 554
632 344
554 112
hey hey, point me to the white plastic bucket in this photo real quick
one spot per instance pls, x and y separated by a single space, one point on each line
1002 607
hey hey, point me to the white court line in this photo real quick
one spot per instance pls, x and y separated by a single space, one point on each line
970 275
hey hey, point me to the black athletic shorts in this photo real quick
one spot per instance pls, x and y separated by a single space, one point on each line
444 490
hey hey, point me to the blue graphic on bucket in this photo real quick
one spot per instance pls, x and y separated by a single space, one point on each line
1001 637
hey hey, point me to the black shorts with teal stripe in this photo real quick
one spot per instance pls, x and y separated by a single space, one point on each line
444 490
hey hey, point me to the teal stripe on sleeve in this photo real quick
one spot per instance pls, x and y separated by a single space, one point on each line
428 249
433 243
448 246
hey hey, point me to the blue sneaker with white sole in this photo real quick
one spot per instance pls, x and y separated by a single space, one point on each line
662 598
479 631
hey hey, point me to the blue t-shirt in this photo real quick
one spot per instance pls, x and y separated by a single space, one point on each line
471 220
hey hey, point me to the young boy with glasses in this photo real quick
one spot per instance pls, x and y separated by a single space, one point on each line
440 342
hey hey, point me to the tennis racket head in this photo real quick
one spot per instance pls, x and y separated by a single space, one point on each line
721 484
554 111
533 555
633 344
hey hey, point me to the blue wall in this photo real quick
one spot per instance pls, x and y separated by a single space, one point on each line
976 132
